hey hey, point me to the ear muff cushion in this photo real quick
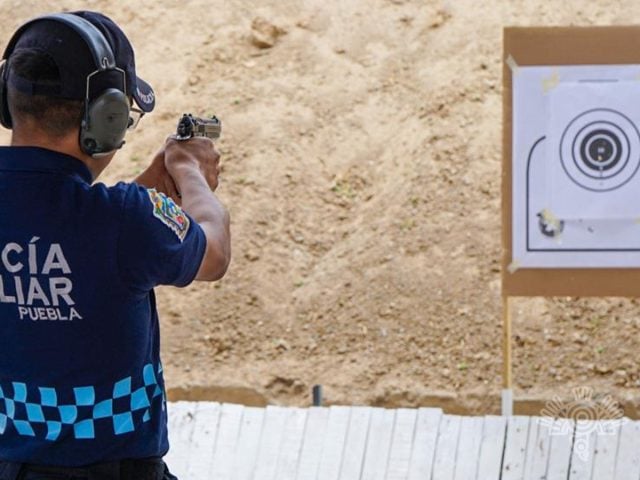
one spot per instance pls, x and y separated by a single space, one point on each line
5 115
105 122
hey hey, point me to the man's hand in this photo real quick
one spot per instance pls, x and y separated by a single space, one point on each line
156 176
196 150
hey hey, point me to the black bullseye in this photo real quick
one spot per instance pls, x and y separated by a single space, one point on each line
601 150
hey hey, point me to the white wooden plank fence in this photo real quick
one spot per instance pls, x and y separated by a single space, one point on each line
212 441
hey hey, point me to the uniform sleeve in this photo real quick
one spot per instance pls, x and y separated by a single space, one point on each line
159 244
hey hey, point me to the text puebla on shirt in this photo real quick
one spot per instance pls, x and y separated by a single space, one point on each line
37 298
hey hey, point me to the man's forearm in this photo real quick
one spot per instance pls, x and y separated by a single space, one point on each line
204 207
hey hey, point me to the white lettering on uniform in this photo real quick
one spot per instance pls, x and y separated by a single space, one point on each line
55 259
36 293
60 287
47 313
37 298
33 265
4 298
11 267
19 292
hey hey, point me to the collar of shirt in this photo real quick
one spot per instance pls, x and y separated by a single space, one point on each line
42 160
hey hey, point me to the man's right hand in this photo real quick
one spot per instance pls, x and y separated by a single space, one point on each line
197 152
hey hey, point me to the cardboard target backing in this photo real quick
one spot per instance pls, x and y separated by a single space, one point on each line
595 145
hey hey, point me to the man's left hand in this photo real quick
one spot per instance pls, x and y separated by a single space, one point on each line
156 176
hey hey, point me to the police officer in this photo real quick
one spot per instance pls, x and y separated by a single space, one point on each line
81 382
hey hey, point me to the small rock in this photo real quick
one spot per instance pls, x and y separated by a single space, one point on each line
579 339
553 340
439 19
620 378
251 255
482 356
602 369
222 57
264 33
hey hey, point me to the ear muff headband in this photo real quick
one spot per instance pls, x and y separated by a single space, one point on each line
98 45
103 127
5 116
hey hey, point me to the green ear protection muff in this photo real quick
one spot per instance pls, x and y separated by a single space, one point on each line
106 118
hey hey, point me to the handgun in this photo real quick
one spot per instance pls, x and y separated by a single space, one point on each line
190 126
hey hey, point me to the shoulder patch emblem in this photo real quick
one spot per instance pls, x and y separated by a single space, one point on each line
169 213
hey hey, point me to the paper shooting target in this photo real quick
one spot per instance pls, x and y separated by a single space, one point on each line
600 150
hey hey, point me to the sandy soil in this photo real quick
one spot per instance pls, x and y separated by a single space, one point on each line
362 170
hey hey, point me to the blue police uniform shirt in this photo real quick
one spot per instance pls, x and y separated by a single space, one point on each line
80 373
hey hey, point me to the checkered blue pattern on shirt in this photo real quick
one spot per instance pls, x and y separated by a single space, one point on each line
28 415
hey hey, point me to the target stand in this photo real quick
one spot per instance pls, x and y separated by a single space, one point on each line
570 169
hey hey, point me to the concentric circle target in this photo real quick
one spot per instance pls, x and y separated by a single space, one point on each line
600 150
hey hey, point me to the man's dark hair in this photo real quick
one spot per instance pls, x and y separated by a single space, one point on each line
55 116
